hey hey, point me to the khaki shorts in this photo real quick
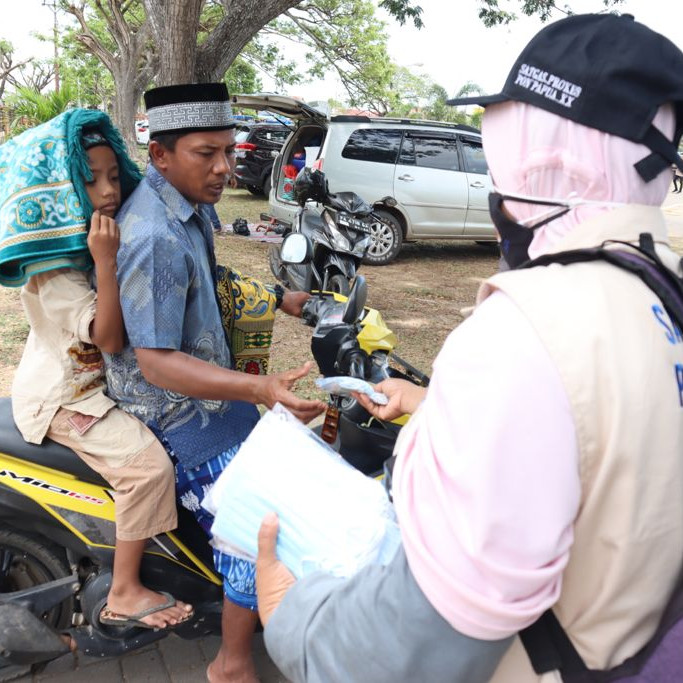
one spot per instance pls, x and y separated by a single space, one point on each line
126 453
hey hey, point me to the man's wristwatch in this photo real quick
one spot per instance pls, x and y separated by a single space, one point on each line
279 292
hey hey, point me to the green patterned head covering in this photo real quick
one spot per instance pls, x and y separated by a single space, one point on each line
89 129
44 206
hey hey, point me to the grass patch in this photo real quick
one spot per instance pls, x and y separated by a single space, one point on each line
13 337
241 204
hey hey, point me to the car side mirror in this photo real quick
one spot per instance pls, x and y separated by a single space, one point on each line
355 304
296 248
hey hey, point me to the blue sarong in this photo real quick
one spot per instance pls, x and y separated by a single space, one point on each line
239 576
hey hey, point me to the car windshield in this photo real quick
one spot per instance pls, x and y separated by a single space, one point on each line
241 136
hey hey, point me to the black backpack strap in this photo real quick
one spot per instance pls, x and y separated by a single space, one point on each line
549 648
643 262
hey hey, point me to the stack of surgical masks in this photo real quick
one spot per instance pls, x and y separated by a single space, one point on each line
332 517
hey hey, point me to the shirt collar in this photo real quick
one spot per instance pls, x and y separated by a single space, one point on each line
169 195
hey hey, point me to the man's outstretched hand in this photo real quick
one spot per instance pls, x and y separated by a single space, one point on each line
273 579
278 389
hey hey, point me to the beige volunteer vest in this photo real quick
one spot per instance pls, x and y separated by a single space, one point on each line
616 352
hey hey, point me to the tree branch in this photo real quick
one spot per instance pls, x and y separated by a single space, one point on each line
90 41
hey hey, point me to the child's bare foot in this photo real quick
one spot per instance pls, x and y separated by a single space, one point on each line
137 603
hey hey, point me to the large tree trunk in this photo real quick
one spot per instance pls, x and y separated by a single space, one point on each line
175 24
126 104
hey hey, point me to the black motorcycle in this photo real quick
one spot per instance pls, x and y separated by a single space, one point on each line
339 228
350 339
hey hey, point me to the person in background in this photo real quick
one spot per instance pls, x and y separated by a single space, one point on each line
542 468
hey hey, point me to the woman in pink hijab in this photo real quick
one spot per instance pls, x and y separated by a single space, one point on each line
541 469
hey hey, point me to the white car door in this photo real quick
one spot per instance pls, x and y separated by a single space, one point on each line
478 221
430 184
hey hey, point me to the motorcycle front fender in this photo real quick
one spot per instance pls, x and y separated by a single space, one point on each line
344 264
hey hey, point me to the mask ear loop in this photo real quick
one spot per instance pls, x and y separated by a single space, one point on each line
558 209
567 204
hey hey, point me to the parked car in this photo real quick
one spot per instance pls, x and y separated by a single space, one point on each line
256 143
142 132
435 172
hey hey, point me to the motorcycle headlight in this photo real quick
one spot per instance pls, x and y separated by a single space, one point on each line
327 217
341 240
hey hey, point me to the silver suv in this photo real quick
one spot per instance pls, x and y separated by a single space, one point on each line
427 179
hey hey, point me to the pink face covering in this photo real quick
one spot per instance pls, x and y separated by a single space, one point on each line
535 153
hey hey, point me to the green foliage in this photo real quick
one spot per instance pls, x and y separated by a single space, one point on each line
492 14
343 37
242 77
267 57
403 10
29 108
418 97
81 71
6 48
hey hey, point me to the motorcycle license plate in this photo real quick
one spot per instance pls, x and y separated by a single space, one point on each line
354 223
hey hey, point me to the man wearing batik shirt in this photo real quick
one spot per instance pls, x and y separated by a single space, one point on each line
174 373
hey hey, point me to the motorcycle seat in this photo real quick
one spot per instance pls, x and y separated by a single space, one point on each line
349 202
48 454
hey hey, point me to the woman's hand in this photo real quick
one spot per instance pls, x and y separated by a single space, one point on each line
273 579
404 397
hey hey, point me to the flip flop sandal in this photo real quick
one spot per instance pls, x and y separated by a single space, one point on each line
109 618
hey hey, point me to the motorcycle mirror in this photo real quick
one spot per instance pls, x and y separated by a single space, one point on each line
296 248
387 201
355 304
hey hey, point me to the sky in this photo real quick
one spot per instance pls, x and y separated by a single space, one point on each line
453 47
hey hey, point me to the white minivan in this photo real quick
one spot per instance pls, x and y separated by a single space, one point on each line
435 172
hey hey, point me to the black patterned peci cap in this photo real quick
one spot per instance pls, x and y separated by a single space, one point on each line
604 71
188 108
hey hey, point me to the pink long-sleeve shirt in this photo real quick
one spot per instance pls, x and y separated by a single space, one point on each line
487 479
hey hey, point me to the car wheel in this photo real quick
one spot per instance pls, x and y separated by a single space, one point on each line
387 239
338 284
266 187
255 189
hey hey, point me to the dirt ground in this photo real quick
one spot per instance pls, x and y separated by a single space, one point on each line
420 295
